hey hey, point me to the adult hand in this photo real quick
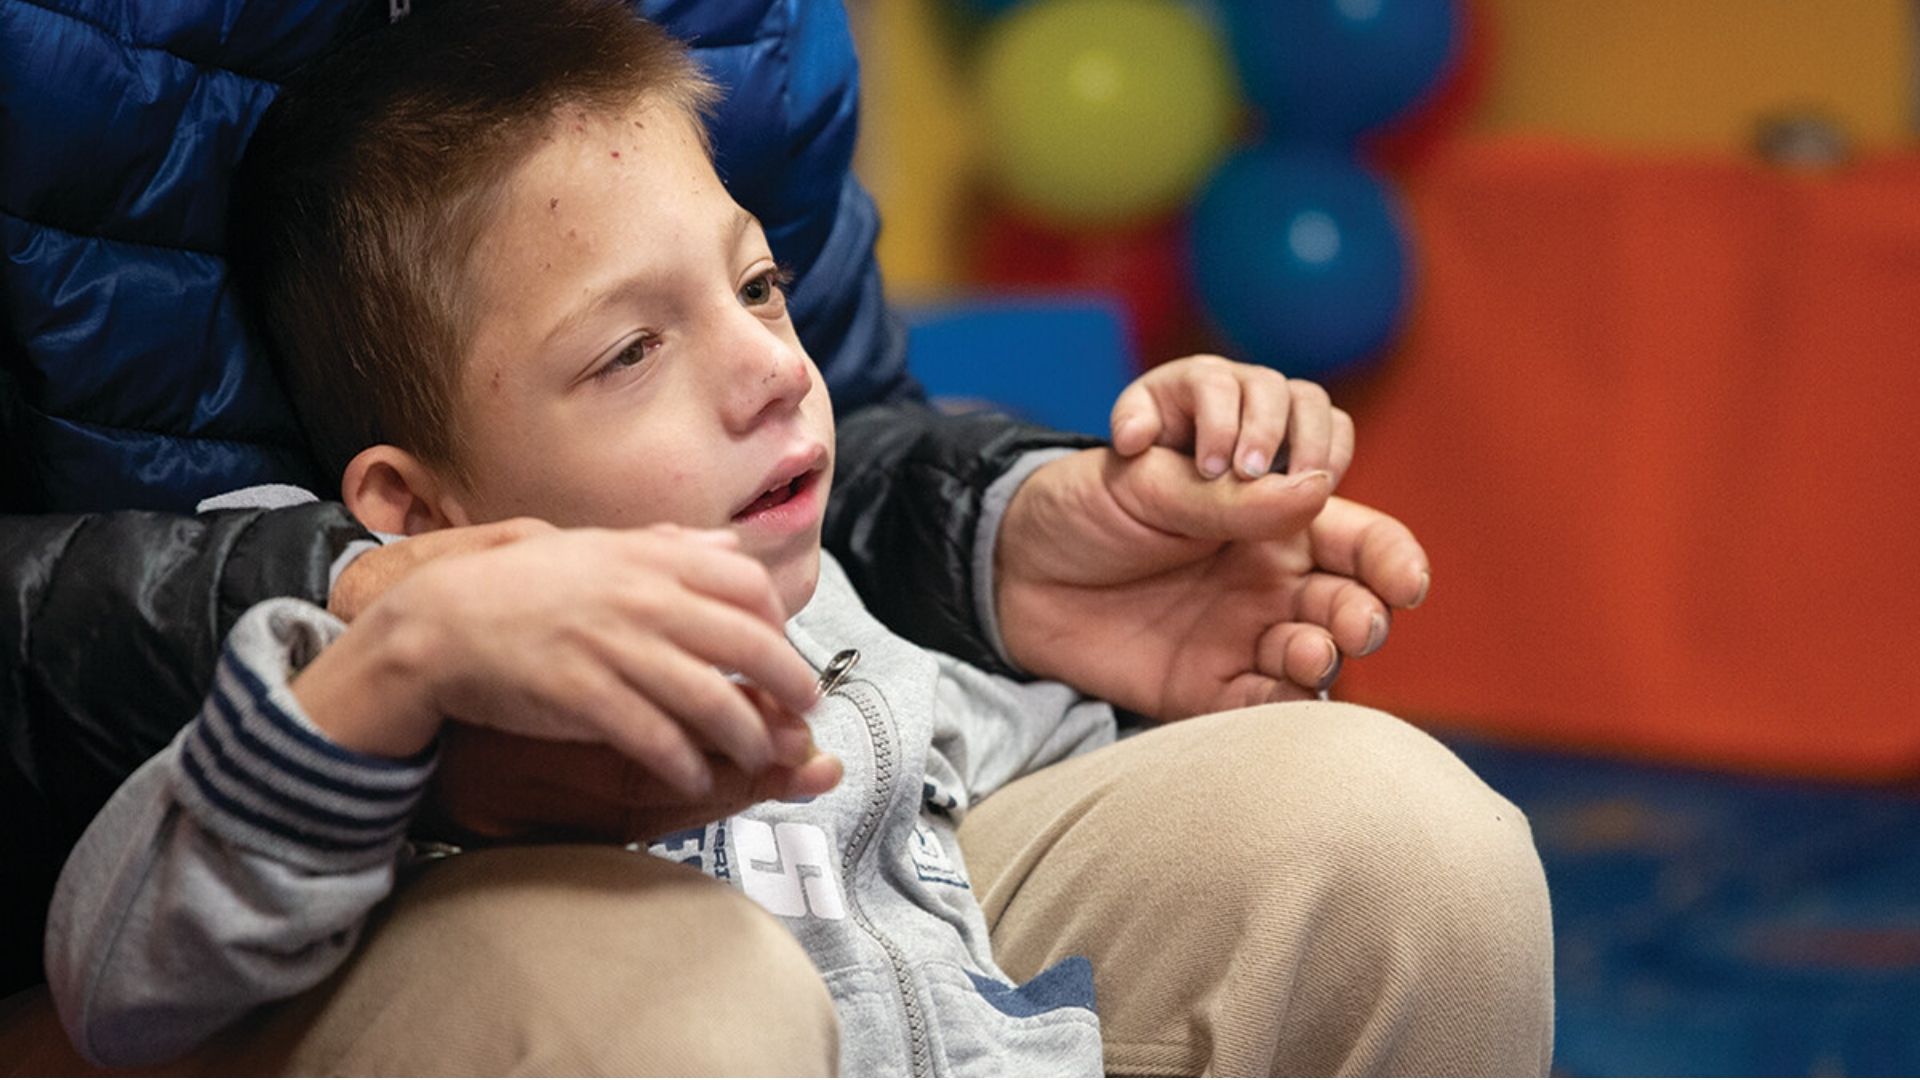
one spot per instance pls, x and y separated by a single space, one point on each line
1171 595
376 571
614 637
496 786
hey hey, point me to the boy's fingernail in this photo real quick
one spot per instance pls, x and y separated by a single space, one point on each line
1426 582
1126 426
1255 463
1376 634
1213 466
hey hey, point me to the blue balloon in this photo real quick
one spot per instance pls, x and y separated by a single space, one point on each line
1299 257
1328 70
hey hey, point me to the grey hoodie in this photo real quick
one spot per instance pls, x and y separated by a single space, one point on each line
238 866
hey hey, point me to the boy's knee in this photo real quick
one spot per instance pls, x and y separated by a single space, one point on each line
571 960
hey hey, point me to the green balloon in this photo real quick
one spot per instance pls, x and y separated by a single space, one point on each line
1096 111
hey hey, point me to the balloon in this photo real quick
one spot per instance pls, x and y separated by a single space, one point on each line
1327 70
1405 142
1097 111
1142 266
1300 259
988 8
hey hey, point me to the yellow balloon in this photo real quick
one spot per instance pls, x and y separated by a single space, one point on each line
1095 111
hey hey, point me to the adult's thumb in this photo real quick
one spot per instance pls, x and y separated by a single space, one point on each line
1161 489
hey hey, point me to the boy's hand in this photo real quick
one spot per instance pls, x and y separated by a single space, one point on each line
1138 582
588 636
1232 415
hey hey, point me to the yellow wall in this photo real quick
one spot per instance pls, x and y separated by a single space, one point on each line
917 140
1699 74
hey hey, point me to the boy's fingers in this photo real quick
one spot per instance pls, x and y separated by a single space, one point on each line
817 775
1264 404
1212 395
1309 427
713 569
720 538
792 737
1135 420
726 637
691 693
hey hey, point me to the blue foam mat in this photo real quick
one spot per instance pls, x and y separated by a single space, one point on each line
1709 924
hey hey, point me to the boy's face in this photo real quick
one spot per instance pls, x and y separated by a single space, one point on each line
633 361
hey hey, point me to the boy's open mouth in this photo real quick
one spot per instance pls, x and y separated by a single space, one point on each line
775 496
786 489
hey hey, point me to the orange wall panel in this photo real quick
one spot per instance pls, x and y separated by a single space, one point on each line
1654 422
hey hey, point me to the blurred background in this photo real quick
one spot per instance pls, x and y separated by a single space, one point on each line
1625 301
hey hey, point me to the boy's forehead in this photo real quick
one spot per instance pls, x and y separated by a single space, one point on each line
600 167
645 124
609 206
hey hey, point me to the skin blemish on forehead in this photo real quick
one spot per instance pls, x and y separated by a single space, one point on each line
615 153
493 384
553 203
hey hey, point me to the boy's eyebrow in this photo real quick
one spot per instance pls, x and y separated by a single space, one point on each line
743 221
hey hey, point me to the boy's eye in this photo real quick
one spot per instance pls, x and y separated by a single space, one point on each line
766 288
629 357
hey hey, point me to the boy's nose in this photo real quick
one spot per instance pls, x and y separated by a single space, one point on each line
770 377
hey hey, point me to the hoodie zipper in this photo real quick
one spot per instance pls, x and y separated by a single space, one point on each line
833 682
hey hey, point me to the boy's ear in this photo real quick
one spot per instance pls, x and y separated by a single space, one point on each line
391 491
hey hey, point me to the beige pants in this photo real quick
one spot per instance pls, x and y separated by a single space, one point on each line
1313 888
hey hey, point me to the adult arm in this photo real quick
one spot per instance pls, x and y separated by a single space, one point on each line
110 625
912 493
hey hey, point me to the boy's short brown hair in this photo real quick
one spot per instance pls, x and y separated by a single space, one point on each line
362 195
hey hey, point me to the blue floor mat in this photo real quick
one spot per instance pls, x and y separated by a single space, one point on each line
1717 925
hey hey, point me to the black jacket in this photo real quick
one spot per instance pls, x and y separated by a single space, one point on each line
110 623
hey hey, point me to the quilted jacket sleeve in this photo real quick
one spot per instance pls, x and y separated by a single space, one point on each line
909 490
109 627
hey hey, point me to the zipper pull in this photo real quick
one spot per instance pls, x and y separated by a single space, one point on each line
836 670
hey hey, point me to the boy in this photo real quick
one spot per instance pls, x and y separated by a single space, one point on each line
610 348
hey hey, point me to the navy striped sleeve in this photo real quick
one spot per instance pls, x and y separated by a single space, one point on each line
256 772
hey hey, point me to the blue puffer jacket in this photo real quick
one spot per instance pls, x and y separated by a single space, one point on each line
133 383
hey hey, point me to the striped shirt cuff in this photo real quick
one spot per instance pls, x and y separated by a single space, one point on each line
254 770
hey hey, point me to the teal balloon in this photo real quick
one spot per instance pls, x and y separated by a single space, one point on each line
1328 70
1300 258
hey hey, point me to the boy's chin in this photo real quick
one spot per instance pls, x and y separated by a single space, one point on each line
796 580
